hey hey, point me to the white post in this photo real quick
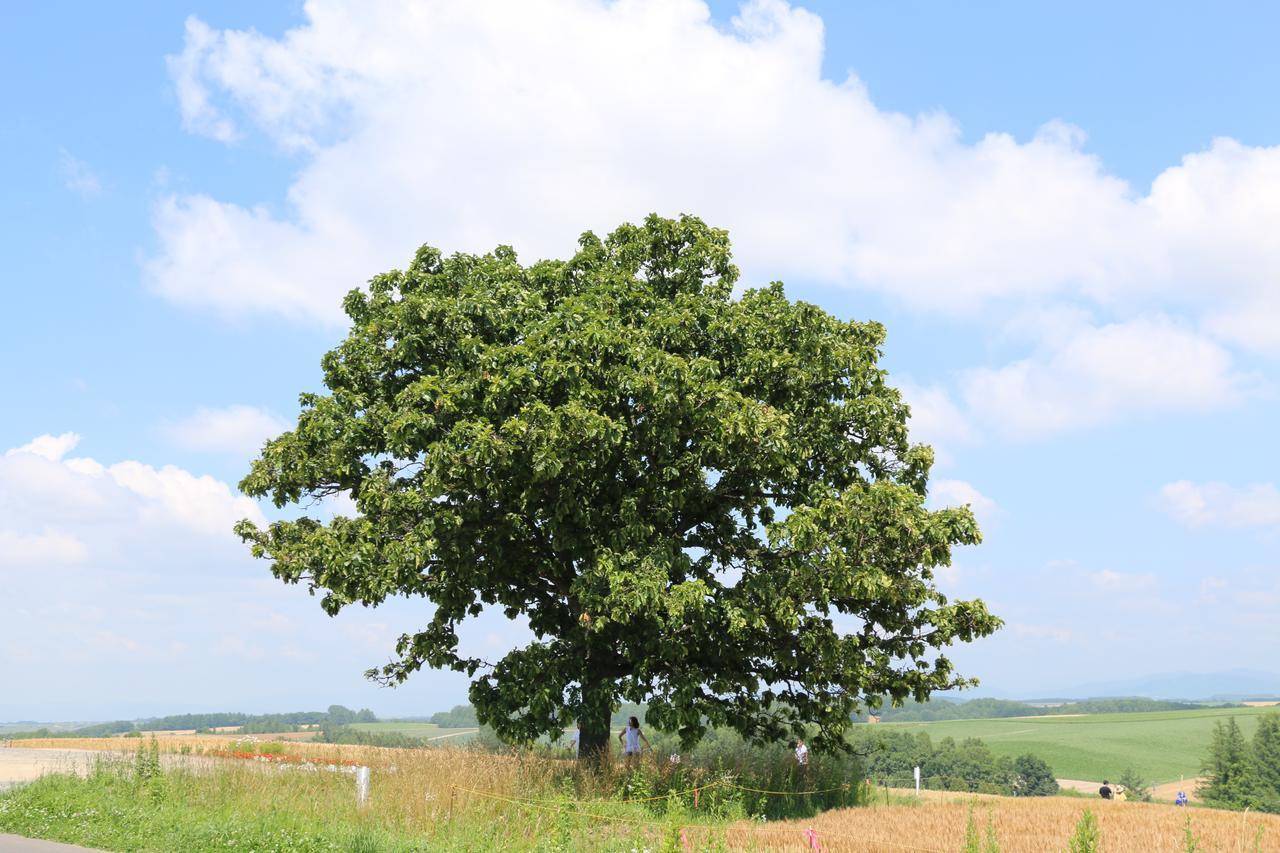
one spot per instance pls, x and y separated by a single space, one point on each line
917 774
362 786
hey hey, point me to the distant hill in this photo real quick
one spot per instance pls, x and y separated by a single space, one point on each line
985 709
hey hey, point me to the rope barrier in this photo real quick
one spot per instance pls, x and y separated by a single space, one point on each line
845 787
701 788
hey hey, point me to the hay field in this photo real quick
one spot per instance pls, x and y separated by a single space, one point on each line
1162 746
1022 825
455 799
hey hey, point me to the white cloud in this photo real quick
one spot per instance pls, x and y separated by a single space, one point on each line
41 489
1221 505
1100 373
78 177
240 430
472 124
944 493
48 546
50 447
935 418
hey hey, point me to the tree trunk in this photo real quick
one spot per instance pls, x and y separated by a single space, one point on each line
597 701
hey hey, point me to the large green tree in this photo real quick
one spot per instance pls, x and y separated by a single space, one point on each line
703 502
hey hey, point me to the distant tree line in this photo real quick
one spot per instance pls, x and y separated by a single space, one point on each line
981 709
1244 774
459 717
969 765
246 723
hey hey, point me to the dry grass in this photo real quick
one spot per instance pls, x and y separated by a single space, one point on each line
444 793
1031 825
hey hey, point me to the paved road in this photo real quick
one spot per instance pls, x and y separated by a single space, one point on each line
17 844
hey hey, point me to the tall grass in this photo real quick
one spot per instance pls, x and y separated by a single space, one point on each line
464 799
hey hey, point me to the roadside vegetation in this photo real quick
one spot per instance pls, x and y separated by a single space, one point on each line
468 799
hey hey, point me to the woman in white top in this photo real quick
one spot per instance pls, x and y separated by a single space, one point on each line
631 737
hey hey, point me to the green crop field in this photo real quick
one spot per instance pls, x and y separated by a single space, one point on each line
420 730
1162 746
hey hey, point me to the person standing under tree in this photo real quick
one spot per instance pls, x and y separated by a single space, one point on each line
802 758
631 737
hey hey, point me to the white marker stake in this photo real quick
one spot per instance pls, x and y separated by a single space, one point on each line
362 786
917 781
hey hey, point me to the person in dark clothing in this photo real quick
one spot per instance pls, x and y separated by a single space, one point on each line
1105 790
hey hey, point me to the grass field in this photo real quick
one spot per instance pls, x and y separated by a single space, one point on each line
1162 746
427 731
461 800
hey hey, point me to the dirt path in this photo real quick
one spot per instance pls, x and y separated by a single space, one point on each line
1166 791
19 764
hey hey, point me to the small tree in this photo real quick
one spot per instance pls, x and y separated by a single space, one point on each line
1032 777
1086 838
1135 786
702 502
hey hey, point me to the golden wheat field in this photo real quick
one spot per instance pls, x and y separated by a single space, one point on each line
1030 825
423 790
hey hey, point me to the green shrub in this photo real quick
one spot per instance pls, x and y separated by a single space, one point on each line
1086 838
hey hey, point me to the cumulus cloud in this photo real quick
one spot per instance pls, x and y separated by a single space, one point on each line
50 447
944 493
936 419
40 490
1149 364
47 546
239 430
1221 505
471 124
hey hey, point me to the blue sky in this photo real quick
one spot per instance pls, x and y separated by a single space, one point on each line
1065 218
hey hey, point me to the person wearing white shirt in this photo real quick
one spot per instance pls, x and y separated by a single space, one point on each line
631 737
802 756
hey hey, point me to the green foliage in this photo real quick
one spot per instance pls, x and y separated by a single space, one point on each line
992 844
1190 841
348 734
1227 766
1264 764
1032 777
1135 787
146 765
1086 838
616 450
969 765
972 841
460 717
724 754
1242 774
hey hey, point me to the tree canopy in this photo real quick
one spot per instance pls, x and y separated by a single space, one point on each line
704 502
